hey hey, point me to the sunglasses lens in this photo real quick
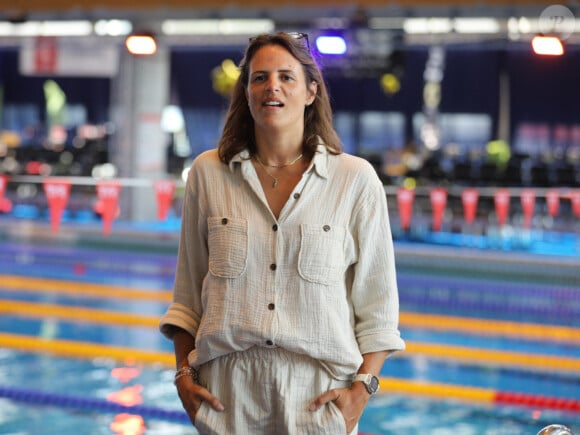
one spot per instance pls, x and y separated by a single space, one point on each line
300 35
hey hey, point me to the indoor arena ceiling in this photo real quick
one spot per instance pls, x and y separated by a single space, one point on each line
295 9
308 15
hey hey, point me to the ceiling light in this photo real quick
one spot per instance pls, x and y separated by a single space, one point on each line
47 28
476 25
217 27
331 44
113 27
427 25
547 45
141 44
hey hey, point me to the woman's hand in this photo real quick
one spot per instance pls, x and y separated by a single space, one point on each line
192 395
350 401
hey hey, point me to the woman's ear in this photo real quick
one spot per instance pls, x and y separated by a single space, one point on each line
312 90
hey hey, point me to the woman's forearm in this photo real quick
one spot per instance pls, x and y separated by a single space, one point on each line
183 344
373 362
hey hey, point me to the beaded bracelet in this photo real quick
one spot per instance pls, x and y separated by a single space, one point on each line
185 371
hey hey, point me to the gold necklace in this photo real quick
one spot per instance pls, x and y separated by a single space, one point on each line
279 166
275 183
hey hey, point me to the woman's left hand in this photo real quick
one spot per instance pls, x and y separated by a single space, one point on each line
350 401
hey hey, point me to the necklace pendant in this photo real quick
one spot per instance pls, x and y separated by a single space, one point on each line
275 183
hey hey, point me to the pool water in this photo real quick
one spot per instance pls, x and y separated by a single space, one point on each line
62 373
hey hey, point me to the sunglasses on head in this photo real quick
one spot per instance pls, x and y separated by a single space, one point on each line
295 35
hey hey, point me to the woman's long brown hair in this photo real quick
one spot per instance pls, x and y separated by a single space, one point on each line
238 131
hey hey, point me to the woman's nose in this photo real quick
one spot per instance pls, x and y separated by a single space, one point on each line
272 84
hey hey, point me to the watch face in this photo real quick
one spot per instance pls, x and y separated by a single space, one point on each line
373 385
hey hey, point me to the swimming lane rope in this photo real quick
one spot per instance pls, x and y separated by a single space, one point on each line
37 397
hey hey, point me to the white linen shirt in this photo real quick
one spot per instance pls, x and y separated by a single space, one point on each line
319 280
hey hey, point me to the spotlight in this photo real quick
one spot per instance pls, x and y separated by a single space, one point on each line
331 44
141 44
547 45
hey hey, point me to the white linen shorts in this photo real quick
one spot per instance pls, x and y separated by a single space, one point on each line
268 391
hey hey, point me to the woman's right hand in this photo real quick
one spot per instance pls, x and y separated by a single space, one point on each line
192 395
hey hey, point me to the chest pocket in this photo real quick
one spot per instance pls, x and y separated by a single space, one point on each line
228 246
321 258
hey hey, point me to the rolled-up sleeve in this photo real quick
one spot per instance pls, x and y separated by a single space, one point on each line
374 289
185 311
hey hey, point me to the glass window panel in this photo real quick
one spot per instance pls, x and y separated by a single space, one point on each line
344 124
203 128
468 131
381 131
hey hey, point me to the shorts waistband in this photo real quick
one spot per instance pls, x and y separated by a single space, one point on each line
258 353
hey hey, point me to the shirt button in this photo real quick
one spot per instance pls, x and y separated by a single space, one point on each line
224 221
271 307
273 266
274 227
296 195
269 342
326 228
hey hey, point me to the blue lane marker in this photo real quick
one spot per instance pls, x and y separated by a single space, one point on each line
92 404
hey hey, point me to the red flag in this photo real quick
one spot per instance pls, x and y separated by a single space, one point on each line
575 199
164 190
45 54
405 199
57 193
108 203
528 200
5 203
502 205
3 183
438 197
469 198
553 202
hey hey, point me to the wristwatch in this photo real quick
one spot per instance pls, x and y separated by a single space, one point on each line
371 382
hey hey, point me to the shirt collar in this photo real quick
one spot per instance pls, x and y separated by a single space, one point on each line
241 157
319 162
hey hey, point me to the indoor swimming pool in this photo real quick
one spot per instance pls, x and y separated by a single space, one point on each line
493 342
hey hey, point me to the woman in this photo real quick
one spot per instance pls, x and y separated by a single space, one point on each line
285 299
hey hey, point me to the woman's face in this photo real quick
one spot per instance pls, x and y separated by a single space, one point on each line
277 91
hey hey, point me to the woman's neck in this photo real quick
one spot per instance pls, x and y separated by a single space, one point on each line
275 150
